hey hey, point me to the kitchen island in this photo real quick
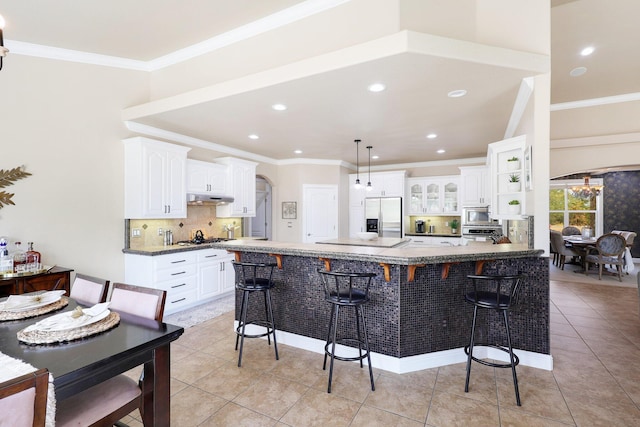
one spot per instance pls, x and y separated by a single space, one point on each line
417 317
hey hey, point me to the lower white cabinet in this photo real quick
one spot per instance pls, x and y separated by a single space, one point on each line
190 277
429 241
215 273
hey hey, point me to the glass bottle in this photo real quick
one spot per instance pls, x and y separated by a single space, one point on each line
19 259
6 260
33 258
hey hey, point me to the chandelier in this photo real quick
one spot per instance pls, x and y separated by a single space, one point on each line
587 191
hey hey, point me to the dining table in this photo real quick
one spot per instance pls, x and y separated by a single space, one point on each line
80 364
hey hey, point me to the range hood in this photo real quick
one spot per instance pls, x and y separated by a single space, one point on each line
207 199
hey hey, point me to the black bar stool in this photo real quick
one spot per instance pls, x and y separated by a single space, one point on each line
255 277
347 290
496 293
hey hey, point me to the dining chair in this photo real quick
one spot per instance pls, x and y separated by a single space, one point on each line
563 251
88 290
552 248
571 231
110 401
137 300
609 249
25 399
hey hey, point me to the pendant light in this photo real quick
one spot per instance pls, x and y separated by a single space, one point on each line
369 187
357 185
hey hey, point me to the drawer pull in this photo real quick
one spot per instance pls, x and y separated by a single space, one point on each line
179 261
176 274
211 256
178 300
179 286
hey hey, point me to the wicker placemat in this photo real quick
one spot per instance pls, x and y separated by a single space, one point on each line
19 315
50 337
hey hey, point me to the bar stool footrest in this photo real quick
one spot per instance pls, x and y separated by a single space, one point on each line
354 344
516 359
262 323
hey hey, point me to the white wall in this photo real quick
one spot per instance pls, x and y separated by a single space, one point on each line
61 120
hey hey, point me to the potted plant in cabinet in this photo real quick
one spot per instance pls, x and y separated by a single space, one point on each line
514 207
513 163
514 183
454 226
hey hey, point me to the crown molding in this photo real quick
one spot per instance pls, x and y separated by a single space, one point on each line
260 26
59 54
595 102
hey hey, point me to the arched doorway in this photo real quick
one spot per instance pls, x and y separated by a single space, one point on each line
260 225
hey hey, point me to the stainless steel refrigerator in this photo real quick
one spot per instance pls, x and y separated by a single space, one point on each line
384 216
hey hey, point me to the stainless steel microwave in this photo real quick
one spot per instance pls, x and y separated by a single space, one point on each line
477 216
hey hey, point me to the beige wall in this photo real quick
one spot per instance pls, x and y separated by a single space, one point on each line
62 122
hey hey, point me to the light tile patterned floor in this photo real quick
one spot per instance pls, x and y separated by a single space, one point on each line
595 341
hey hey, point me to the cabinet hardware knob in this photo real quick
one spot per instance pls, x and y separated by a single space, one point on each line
179 273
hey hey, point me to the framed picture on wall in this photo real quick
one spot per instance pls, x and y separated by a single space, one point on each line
528 170
289 210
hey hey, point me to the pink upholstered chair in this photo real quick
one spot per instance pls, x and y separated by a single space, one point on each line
24 399
89 290
106 403
137 300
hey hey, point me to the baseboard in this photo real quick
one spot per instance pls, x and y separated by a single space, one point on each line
424 361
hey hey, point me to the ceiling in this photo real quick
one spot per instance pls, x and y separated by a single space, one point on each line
328 110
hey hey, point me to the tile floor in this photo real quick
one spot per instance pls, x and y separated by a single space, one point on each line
595 342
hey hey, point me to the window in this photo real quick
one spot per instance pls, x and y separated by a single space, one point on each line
565 209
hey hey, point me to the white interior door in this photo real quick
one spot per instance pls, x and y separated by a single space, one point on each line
320 207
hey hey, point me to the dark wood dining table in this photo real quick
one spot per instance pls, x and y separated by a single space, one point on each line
80 364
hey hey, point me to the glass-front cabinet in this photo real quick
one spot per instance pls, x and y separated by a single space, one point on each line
434 195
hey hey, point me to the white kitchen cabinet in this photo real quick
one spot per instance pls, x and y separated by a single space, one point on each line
213 275
189 277
356 221
206 178
175 273
433 195
241 181
434 241
502 168
356 195
154 179
385 184
475 186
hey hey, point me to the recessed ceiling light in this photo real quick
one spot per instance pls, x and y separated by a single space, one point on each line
457 93
279 107
432 136
578 71
298 151
376 87
440 151
587 51
375 157
254 136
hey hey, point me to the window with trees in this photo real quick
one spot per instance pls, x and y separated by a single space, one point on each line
569 209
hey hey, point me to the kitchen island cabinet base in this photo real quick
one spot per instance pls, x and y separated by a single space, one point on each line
413 325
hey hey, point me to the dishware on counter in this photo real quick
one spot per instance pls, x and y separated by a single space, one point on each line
367 235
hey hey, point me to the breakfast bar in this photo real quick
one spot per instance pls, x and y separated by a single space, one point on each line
417 316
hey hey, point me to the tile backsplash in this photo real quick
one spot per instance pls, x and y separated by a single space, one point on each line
198 218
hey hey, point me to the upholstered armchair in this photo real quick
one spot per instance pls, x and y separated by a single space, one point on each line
609 249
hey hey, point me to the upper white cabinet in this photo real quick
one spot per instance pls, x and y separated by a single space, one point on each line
241 182
437 195
475 186
206 178
154 179
507 178
384 184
